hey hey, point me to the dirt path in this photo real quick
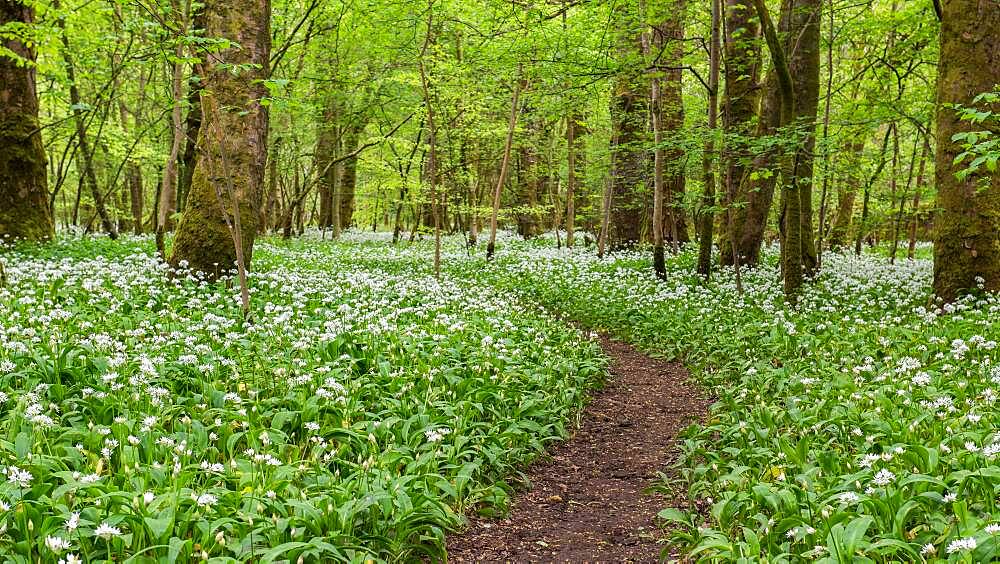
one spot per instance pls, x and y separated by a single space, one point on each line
587 504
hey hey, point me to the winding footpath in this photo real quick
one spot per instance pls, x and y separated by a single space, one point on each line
588 501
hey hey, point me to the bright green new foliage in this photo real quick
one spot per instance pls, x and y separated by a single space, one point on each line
364 410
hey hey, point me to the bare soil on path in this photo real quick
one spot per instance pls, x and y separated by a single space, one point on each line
588 500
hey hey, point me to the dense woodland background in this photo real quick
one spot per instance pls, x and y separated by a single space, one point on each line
395 116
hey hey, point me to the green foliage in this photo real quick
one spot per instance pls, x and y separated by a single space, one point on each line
858 426
980 148
364 412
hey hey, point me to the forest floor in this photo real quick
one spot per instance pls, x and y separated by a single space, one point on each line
590 500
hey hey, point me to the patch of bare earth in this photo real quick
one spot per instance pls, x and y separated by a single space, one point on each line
588 502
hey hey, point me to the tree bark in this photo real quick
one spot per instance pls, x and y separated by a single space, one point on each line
799 45
192 123
898 223
347 185
573 143
668 38
168 192
803 48
847 192
24 207
863 224
791 242
751 220
631 173
740 100
327 149
912 246
432 164
528 183
229 174
708 199
967 238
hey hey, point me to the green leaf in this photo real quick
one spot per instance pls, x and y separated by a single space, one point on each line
177 547
673 515
281 549
160 525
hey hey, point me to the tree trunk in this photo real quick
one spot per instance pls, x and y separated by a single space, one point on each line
708 198
528 181
791 242
659 264
898 224
669 40
24 205
847 192
912 247
270 198
572 147
803 49
136 196
631 174
192 123
168 192
229 173
133 198
741 97
863 224
349 176
472 197
967 238
826 138
751 220
432 165
327 142
505 163
799 45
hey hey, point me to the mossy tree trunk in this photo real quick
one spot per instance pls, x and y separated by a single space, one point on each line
668 39
349 175
707 216
232 140
631 167
803 49
574 146
847 192
24 203
791 210
742 69
750 219
192 123
327 150
798 35
967 238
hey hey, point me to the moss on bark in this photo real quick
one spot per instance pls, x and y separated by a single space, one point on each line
232 141
740 101
24 205
349 177
967 239
631 162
